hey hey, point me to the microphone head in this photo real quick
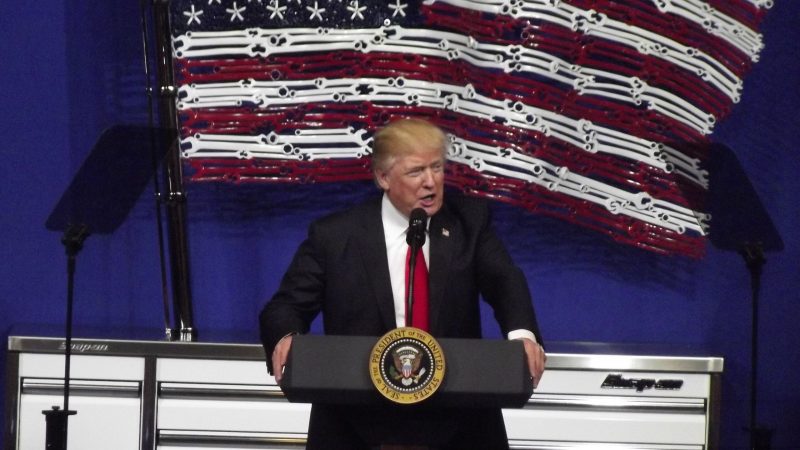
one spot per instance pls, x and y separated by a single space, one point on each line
415 236
417 215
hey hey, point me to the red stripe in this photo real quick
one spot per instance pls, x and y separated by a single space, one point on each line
278 171
562 99
622 229
515 192
541 92
506 30
593 52
644 14
627 175
742 11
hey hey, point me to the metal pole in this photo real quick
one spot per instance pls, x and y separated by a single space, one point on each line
176 194
753 253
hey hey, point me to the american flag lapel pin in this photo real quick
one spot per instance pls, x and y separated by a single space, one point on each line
445 232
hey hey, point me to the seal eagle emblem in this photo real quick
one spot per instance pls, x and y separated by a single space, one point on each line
407 365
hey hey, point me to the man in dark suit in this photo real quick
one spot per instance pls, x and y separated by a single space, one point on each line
352 269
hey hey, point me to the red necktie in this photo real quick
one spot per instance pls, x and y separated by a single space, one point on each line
419 318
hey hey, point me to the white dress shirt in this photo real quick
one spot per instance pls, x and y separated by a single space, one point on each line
395 225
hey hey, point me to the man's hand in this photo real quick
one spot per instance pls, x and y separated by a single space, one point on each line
279 356
534 353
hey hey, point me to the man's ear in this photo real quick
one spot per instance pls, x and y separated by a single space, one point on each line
381 177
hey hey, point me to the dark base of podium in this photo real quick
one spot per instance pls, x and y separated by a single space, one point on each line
365 427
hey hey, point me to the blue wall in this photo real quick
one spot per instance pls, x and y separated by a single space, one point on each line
71 71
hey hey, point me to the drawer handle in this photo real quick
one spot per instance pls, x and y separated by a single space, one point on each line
219 391
229 438
618 403
86 388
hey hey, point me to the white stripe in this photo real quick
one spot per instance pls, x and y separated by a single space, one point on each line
452 46
639 205
303 145
716 23
766 4
597 24
505 162
461 99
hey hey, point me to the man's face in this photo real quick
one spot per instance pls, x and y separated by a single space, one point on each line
415 180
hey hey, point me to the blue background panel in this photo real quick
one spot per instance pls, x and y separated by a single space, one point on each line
71 69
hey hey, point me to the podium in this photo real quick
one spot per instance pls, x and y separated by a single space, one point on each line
332 372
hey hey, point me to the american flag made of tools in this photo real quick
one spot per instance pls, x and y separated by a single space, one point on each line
596 112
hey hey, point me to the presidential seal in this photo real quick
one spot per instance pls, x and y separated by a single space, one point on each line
407 365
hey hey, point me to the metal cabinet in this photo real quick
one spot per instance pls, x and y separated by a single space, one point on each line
106 390
179 395
224 404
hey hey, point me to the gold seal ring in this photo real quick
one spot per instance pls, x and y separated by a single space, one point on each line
407 365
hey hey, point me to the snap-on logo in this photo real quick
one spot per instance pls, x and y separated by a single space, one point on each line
85 347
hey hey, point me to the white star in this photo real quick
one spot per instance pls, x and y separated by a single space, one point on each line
212 1
316 11
236 13
356 10
398 8
193 15
276 9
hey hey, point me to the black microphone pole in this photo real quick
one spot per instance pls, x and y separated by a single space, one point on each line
56 419
415 238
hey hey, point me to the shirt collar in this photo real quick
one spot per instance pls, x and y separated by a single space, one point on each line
394 222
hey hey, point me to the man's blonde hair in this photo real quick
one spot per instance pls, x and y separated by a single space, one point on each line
404 136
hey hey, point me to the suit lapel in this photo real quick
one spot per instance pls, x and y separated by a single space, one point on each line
442 236
372 246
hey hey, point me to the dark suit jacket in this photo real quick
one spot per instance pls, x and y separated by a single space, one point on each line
341 270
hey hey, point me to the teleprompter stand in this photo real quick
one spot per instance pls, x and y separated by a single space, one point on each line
740 223
97 201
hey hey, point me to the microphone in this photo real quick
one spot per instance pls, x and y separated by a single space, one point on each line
415 237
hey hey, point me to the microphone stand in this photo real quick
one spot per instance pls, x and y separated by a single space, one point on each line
57 419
